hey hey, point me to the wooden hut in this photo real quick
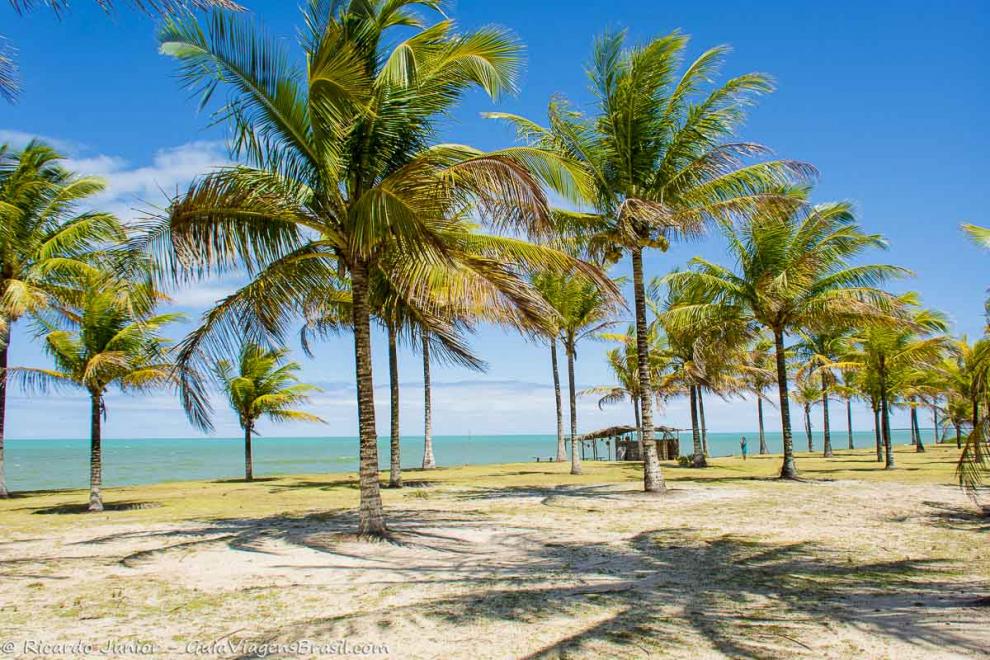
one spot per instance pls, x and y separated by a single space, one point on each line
622 443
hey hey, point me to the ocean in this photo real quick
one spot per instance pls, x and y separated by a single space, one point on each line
43 464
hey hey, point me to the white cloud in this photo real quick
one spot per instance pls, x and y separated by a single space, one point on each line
133 189
18 139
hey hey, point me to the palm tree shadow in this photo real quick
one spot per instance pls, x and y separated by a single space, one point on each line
664 587
83 507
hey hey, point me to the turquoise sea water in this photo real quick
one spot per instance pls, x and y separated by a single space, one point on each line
52 463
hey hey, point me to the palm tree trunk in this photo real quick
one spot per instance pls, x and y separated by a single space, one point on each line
652 475
885 416
639 428
876 432
572 399
701 418
764 450
95 453
937 439
561 446
371 516
788 470
638 403
958 436
395 466
429 462
827 441
698 458
4 346
248 457
919 444
807 426
849 422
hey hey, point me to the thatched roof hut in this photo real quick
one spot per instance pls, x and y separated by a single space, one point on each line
627 440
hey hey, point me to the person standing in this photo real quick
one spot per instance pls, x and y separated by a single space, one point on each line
744 447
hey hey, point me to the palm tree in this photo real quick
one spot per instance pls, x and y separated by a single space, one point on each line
429 461
848 388
583 310
699 355
552 334
820 352
44 239
341 181
661 152
260 385
793 274
806 394
759 376
622 361
9 85
892 352
109 337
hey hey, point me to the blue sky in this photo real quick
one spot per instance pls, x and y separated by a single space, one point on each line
887 99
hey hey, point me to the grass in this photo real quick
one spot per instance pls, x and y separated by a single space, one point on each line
36 512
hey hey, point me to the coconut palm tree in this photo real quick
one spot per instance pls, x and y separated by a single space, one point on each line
583 310
793 274
893 352
109 337
261 384
759 376
661 150
44 238
820 352
341 181
699 356
429 461
622 361
806 394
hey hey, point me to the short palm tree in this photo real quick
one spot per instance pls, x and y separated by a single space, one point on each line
341 180
806 394
583 310
44 238
699 356
793 274
662 152
820 354
760 375
893 352
260 384
109 338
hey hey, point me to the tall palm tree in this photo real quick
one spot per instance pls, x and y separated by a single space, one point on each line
341 180
893 352
660 148
44 238
109 337
261 384
552 336
429 461
793 274
583 310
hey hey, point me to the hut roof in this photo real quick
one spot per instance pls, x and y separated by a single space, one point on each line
613 431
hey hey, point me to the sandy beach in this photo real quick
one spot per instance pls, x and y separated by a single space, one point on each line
520 560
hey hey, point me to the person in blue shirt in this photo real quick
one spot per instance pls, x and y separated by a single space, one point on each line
744 447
